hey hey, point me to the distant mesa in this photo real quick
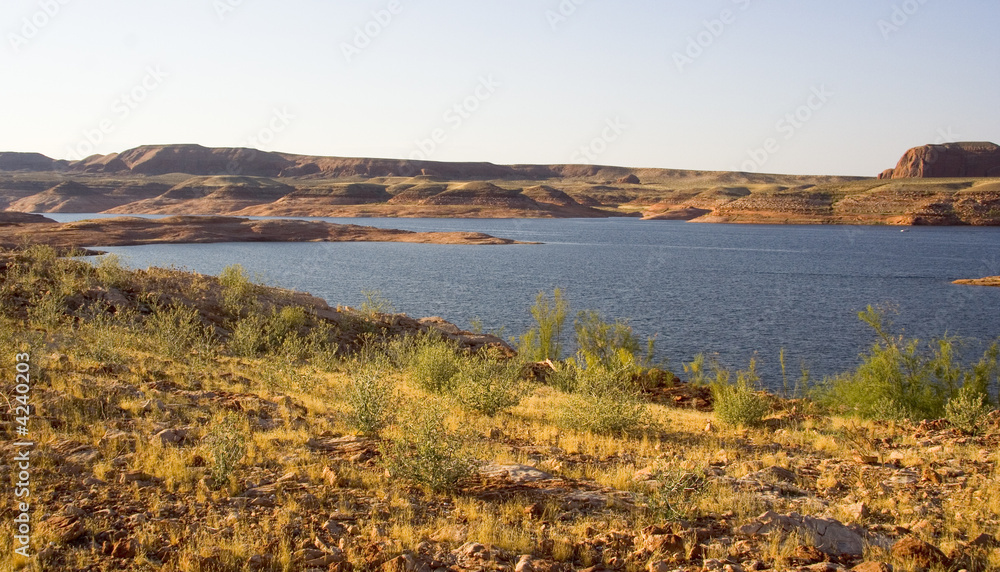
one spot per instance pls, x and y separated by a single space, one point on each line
950 184
949 160
30 162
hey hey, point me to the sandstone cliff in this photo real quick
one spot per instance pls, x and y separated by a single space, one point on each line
980 159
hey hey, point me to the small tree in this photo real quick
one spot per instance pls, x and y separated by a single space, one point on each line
544 341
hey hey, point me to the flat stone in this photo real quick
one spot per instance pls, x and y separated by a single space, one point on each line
827 534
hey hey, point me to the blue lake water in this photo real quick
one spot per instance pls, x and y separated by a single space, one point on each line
734 290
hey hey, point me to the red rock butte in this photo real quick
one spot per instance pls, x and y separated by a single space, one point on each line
949 160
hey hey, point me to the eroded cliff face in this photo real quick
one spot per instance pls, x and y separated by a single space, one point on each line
949 160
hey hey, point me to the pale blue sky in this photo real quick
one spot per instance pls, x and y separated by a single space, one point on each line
610 77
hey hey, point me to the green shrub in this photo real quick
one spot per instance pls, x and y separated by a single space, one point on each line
607 343
488 384
611 412
257 333
967 411
902 378
227 445
176 330
426 453
544 341
435 365
111 273
47 311
371 397
238 291
739 403
375 303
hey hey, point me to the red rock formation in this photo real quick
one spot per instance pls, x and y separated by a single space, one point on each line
948 160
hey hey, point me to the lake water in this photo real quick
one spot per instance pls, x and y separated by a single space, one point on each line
734 290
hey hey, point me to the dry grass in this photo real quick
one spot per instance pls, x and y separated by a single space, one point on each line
114 401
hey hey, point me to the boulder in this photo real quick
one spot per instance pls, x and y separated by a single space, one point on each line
827 534
629 179
918 552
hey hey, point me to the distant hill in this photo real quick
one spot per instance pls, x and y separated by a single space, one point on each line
937 184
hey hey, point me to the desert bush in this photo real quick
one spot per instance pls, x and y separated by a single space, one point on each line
176 330
904 378
434 365
544 341
238 291
371 397
489 384
426 453
739 403
47 310
697 371
375 303
968 410
227 445
611 412
607 343
258 333
111 273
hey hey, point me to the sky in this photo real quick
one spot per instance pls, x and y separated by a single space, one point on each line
779 86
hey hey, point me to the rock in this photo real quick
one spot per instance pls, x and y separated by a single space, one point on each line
534 511
827 534
524 564
314 557
125 548
808 554
929 475
857 511
777 473
980 159
64 528
873 567
985 541
660 566
666 544
920 553
515 473
629 179
171 436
